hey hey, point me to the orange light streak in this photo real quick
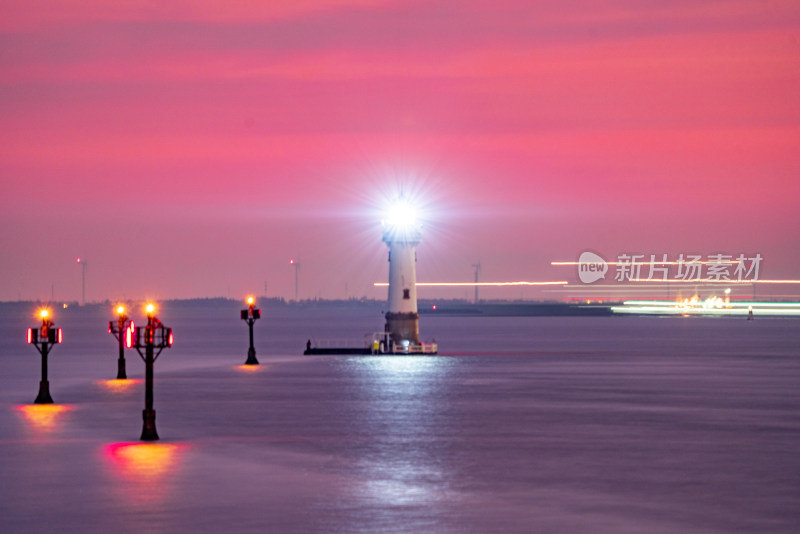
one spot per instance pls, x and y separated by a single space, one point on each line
473 284
696 282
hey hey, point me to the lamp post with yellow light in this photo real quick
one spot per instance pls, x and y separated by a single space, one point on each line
41 338
153 336
118 331
251 314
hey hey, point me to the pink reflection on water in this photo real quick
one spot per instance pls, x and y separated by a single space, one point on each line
43 417
144 470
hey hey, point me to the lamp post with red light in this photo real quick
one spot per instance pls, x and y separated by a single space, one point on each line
118 331
251 314
41 338
153 336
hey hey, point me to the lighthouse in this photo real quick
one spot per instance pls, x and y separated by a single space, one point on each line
400 335
401 233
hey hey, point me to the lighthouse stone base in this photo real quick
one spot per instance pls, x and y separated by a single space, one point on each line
403 327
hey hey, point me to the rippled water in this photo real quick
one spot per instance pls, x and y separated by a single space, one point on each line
596 424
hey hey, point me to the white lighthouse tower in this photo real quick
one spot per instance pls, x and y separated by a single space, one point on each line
402 234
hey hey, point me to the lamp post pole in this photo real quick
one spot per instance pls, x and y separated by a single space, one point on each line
121 374
149 414
44 385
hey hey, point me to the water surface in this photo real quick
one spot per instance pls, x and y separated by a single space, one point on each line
568 424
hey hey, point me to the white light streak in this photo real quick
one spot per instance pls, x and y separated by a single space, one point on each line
708 307
647 262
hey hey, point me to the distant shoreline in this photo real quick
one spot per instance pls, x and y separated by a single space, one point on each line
426 307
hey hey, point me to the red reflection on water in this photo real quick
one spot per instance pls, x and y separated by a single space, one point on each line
144 469
43 417
119 385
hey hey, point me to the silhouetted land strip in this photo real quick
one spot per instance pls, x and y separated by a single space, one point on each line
514 309
426 306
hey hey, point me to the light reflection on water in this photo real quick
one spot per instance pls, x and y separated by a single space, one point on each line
388 367
401 468
43 417
249 368
119 385
144 471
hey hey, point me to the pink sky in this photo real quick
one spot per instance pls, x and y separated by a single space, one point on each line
192 150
